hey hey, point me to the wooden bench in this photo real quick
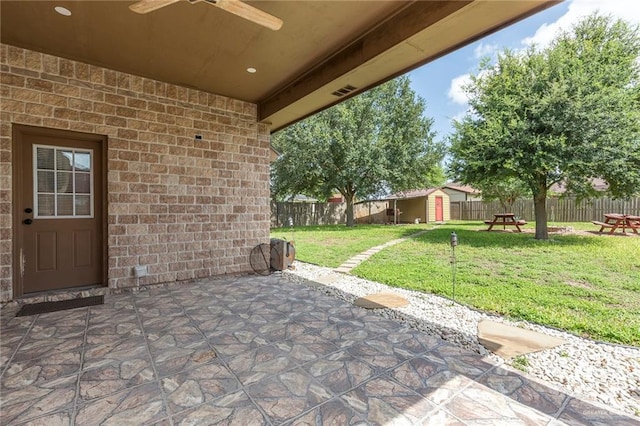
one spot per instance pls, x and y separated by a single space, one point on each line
603 225
633 222
519 222
516 223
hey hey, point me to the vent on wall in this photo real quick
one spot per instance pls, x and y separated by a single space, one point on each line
344 91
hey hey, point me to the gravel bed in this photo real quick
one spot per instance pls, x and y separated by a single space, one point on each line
603 372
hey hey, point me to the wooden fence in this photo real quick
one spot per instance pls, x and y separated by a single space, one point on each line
304 214
558 209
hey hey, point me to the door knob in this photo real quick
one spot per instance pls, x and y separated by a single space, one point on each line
28 210
27 221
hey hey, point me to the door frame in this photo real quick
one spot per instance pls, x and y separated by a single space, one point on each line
439 197
19 131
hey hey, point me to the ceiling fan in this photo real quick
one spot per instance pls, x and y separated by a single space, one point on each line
236 7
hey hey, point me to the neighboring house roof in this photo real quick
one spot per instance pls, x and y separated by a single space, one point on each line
300 199
325 52
597 183
462 188
416 193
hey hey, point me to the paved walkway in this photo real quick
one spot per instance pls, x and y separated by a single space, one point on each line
347 266
256 351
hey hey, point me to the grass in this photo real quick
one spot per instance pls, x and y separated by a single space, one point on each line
586 284
331 245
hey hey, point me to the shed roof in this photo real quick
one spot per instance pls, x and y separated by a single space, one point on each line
415 193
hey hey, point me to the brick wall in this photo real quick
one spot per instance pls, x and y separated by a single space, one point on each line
184 207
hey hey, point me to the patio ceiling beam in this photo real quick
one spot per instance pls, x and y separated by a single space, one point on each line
409 21
404 41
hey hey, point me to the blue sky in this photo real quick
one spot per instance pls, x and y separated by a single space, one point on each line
440 81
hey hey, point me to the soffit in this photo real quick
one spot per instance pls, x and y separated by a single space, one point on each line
322 46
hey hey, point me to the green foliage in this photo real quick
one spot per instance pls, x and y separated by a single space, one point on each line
567 113
521 362
505 190
372 143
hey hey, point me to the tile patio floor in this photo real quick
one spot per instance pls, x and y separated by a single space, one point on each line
256 350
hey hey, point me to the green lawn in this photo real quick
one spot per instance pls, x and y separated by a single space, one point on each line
331 245
586 284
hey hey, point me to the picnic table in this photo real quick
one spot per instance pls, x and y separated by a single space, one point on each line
613 221
505 219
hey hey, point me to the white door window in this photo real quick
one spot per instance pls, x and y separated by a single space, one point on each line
63 182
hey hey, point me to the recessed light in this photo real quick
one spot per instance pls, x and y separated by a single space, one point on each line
251 70
62 11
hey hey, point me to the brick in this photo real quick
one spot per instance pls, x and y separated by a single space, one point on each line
13 80
169 195
66 114
66 68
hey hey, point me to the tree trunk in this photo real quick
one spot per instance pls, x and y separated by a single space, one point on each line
540 208
349 200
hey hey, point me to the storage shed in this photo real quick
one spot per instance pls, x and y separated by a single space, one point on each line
422 205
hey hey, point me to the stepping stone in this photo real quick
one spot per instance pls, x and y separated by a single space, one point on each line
509 341
381 300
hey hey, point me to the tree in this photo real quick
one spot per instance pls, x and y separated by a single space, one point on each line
506 191
567 113
375 142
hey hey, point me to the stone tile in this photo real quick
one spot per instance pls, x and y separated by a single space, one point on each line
172 359
462 361
233 410
346 334
12 323
257 364
235 342
34 349
441 418
134 406
340 371
227 323
198 312
64 418
27 402
114 377
384 401
288 395
67 318
114 352
9 342
102 326
306 347
377 353
37 371
197 386
333 412
381 325
277 332
579 412
480 405
345 314
430 377
524 390
169 309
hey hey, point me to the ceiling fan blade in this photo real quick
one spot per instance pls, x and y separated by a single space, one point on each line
248 12
146 6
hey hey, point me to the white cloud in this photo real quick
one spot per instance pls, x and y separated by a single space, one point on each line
456 91
628 10
483 50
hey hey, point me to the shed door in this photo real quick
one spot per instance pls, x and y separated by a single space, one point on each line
439 210
58 211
